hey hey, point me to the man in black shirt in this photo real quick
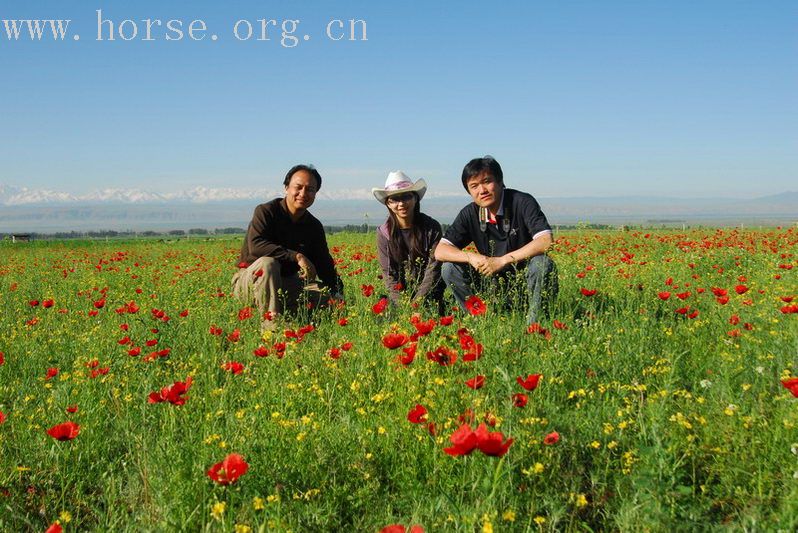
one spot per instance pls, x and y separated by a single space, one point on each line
285 250
510 233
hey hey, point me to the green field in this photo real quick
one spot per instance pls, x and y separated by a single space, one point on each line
670 411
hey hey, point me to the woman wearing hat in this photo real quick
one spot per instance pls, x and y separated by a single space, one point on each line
406 242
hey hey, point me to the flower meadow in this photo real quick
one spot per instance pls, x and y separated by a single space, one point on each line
661 393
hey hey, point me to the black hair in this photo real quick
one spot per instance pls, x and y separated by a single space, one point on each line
307 168
481 165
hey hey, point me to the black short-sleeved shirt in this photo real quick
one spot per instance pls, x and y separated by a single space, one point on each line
520 209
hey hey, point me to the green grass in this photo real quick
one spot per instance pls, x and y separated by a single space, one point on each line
666 422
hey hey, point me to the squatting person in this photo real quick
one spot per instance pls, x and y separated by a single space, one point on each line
285 251
511 234
406 243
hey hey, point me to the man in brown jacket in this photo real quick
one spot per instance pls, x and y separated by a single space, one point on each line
285 251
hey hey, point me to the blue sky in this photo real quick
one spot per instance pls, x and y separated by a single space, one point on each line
573 98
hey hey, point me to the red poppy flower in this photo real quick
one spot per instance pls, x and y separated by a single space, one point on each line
717 291
48 303
65 431
443 356
551 438
245 313
683 295
51 373
55 527
2 358
346 346
334 352
99 304
261 351
534 327
473 352
133 352
491 442
380 306
464 441
393 341
229 470
588 292
99 372
367 290
477 382
214 330
520 399
409 354
446 320
72 409
418 414
343 321
791 385
33 303
425 328
174 394
399 528
233 366
184 313
786 299
559 325
740 289
529 383
150 343
475 305
235 336
2 417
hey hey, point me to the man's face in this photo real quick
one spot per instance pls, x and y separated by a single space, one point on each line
300 191
485 191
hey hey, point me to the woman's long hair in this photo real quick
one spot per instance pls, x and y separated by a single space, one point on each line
413 252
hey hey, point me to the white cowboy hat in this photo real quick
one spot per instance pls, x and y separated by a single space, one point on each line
398 183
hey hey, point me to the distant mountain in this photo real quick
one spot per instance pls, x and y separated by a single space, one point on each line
29 210
14 196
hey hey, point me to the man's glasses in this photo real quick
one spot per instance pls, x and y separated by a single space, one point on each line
406 197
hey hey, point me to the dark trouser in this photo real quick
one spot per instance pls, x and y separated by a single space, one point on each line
541 284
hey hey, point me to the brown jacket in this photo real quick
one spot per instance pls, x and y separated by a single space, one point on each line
272 233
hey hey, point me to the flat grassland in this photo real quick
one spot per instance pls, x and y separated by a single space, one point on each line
660 407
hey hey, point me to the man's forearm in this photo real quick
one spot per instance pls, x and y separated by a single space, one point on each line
535 247
445 252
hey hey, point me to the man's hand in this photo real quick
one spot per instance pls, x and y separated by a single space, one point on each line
307 270
488 266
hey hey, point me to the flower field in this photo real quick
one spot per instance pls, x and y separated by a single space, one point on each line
135 394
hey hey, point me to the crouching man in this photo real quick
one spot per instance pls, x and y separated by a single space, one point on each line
511 235
285 251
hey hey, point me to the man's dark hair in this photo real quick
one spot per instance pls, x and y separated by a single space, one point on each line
480 165
307 168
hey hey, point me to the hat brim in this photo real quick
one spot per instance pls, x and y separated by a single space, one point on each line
382 195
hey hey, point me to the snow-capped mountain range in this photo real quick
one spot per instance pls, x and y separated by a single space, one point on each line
18 196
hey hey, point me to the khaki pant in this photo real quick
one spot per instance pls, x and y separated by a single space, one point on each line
272 291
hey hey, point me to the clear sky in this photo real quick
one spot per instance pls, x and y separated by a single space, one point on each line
573 98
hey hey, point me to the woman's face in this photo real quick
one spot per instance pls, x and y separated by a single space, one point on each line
402 205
